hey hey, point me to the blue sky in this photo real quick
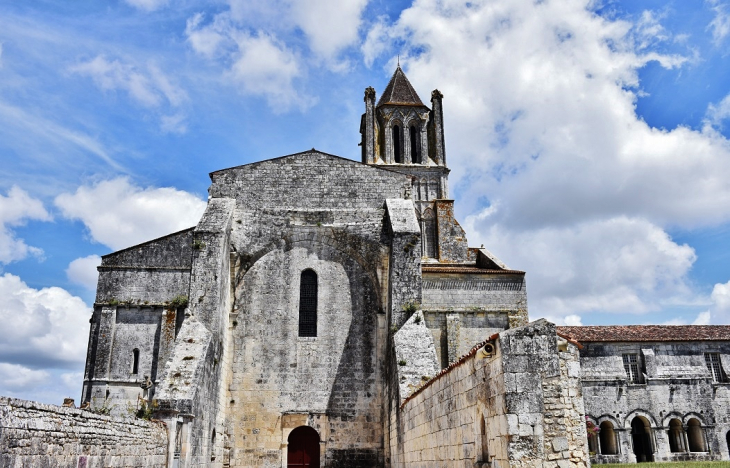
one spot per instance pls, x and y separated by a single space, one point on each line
588 142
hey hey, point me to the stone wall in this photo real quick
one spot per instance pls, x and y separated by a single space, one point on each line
38 435
518 407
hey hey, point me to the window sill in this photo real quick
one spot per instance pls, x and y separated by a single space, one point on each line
306 338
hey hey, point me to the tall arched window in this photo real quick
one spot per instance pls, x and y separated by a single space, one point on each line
695 436
415 146
676 436
308 304
135 361
607 437
397 145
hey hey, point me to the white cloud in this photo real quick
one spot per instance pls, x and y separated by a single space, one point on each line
119 214
260 64
719 312
342 20
703 318
49 326
15 210
717 113
83 271
616 265
148 5
15 377
148 86
376 41
542 132
720 24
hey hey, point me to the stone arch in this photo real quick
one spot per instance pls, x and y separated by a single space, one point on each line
696 440
727 440
671 415
321 238
676 435
639 412
642 440
608 437
303 448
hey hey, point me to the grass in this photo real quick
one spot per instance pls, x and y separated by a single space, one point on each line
677 464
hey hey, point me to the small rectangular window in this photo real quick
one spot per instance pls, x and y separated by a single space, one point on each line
712 360
631 366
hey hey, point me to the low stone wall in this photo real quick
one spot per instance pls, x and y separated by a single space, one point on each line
519 407
37 435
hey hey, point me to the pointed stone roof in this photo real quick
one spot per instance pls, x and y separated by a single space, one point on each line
400 92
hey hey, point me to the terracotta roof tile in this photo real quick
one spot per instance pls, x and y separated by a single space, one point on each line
615 333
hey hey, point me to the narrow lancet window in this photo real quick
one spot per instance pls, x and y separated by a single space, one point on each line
397 145
415 146
135 361
308 304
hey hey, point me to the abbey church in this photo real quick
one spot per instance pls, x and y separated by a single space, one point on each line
327 312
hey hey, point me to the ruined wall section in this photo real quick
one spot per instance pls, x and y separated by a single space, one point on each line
508 409
39 435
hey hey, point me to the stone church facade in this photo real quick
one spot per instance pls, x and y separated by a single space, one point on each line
327 312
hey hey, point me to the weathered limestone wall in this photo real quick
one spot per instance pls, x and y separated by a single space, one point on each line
150 273
519 407
675 384
280 380
192 388
38 435
470 292
116 331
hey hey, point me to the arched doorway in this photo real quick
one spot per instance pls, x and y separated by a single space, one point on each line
641 437
727 439
303 448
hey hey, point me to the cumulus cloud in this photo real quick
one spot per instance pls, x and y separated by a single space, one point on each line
720 24
83 271
259 63
342 20
148 86
120 214
717 113
15 210
616 265
557 173
15 377
147 5
719 312
259 44
49 326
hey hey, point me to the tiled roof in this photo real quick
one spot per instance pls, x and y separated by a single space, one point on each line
614 333
399 91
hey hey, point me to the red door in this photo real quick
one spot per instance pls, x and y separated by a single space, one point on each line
303 451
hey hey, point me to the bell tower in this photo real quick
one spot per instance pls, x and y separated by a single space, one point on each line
402 134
